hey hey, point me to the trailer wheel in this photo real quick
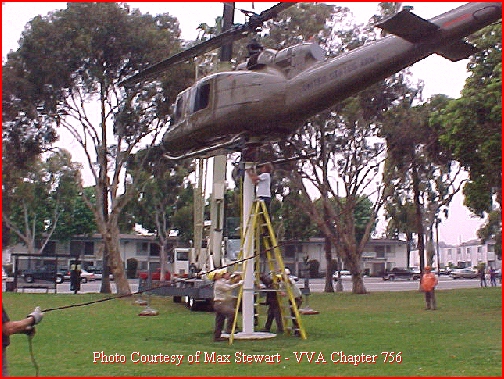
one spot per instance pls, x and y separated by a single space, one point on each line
193 305
209 305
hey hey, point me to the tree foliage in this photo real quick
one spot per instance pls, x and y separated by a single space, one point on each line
68 67
39 200
422 174
472 130
345 154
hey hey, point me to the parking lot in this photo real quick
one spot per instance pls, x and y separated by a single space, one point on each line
316 285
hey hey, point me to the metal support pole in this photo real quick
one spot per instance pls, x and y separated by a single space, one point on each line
248 253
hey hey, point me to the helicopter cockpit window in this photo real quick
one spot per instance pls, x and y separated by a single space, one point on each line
202 97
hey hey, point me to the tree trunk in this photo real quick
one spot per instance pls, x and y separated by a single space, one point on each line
352 258
409 239
418 216
358 284
116 265
103 191
328 277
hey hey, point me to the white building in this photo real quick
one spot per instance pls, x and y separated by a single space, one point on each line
467 254
379 255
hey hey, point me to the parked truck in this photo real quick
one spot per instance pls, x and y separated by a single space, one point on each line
187 283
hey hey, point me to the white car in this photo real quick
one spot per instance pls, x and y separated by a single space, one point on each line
85 276
344 274
464 273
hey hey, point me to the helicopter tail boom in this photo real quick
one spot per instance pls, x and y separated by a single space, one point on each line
455 24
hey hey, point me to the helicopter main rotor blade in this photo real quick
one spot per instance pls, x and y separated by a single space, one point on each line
234 34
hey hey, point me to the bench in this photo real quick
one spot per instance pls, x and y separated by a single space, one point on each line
45 287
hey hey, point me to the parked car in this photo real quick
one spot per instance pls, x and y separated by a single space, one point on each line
344 274
445 271
156 275
466 273
85 276
47 273
98 273
400 273
416 273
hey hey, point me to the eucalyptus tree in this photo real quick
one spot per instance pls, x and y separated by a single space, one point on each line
420 171
39 197
472 130
347 155
161 194
66 74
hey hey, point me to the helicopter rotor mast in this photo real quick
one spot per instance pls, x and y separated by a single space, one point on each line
226 38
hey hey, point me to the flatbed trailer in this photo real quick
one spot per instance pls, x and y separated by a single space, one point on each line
196 293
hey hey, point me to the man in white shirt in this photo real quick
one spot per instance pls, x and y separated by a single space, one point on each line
263 183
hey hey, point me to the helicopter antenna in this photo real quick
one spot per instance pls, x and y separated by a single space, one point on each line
234 34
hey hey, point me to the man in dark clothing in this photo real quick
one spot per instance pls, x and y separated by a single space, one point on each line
75 277
274 312
482 274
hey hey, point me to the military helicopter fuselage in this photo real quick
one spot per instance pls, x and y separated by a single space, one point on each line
270 96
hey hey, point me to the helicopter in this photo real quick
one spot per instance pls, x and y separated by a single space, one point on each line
269 96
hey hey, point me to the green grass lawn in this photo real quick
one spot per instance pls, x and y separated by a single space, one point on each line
462 338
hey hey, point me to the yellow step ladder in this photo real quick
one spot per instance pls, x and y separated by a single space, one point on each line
259 222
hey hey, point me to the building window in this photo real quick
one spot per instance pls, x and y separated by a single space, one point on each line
49 248
76 248
142 248
89 248
380 251
290 251
491 248
154 250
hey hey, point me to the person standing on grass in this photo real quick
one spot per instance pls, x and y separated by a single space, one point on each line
287 281
274 312
428 283
493 274
482 276
223 303
25 326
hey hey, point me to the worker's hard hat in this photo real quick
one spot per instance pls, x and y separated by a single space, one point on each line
216 274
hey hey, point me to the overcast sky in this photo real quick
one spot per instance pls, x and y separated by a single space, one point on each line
438 74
